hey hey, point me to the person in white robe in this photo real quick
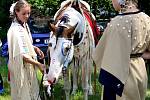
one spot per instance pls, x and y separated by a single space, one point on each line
22 62
120 51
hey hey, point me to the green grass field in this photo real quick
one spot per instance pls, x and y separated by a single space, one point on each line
58 89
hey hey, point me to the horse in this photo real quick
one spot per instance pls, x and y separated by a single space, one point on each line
71 44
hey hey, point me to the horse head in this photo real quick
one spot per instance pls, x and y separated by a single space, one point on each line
61 44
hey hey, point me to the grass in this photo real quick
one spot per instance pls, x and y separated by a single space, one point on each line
4 71
58 89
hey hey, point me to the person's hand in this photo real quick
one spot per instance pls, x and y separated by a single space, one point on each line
39 52
146 55
42 67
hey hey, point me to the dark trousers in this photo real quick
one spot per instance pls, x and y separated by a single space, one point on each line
1 82
109 94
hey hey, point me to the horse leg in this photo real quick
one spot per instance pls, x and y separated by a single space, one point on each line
48 55
89 65
67 85
85 78
75 75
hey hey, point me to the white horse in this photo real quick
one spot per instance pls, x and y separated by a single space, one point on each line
71 43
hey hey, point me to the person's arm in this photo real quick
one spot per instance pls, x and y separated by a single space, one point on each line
34 62
39 52
146 55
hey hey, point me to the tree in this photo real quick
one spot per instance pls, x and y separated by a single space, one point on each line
4 17
145 6
101 8
49 7
45 7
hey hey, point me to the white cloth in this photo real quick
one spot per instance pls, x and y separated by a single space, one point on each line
23 81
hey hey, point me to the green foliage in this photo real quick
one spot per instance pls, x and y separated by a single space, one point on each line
46 7
145 6
4 17
4 10
98 6
4 73
49 8
106 4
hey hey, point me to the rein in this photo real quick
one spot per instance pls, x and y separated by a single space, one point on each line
41 83
66 61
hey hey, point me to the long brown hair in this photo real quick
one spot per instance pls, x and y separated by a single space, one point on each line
19 4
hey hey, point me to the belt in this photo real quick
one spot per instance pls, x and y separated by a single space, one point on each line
136 55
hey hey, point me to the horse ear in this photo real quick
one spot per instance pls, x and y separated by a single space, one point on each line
52 27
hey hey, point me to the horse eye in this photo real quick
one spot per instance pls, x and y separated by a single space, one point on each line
66 50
